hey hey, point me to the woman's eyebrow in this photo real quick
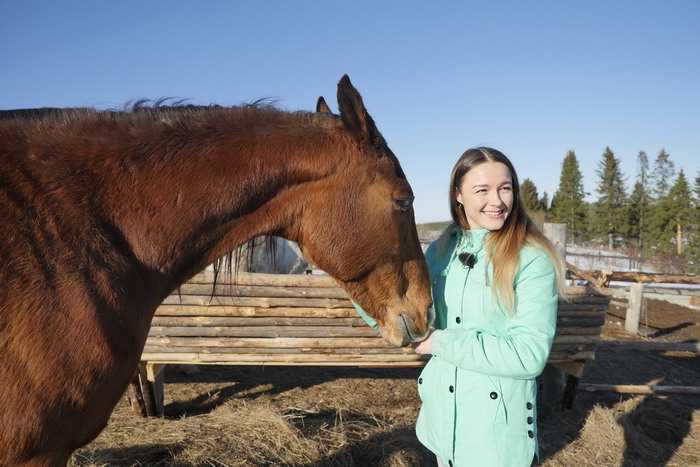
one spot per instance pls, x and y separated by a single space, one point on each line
486 185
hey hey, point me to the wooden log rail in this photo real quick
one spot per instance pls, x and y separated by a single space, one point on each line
268 319
603 278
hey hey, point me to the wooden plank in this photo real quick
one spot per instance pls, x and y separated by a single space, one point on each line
559 350
640 389
328 350
590 294
592 331
590 328
154 375
272 342
320 332
245 311
650 346
575 339
634 310
135 395
349 363
146 391
284 280
264 331
572 347
580 322
556 234
627 276
603 278
583 313
254 321
260 302
288 358
692 293
204 311
260 291
311 359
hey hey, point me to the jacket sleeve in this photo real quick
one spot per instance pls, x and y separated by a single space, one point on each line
522 351
371 322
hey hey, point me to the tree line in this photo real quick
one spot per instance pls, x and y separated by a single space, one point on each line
659 219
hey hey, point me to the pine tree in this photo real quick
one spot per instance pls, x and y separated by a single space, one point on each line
635 214
657 232
664 172
682 209
544 202
609 219
568 202
693 252
528 193
671 215
639 205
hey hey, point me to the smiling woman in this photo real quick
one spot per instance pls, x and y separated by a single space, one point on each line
495 280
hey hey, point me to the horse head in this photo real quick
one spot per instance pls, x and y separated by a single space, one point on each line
361 228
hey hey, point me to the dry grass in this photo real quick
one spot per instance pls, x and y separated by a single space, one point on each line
308 416
642 431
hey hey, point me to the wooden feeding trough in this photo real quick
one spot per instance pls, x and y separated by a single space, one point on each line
275 319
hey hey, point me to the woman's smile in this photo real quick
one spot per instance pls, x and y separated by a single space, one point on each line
495 213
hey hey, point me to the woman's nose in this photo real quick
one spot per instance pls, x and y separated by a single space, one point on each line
495 198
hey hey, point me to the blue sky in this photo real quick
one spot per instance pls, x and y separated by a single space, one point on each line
533 79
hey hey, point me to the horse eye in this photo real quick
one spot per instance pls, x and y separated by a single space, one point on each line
403 204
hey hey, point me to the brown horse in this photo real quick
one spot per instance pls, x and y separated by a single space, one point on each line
105 213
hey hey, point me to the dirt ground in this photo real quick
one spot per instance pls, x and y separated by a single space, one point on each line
247 416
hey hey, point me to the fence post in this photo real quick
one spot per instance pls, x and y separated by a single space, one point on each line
553 380
556 233
634 309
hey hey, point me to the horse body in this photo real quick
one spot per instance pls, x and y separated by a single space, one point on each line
104 215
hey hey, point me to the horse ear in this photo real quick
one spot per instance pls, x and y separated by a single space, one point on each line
322 107
353 111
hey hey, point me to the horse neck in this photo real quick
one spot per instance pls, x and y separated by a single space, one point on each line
180 210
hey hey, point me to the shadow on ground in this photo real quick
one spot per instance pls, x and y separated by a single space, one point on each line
251 382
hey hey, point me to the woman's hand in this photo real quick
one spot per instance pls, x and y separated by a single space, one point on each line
426 346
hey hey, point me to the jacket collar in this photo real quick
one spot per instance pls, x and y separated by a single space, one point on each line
471 241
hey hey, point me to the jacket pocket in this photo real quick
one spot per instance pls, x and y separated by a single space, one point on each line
426 377
517 427
435 423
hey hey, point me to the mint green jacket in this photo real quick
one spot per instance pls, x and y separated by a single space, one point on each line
478 390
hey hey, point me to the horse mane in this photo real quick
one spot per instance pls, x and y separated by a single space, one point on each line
143 116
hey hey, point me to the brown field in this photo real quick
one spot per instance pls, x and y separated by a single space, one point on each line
243 416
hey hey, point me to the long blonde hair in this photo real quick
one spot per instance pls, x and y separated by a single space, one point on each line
502 246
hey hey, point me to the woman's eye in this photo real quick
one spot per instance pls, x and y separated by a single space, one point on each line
507 188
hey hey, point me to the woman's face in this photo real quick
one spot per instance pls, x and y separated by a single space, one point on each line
486 193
